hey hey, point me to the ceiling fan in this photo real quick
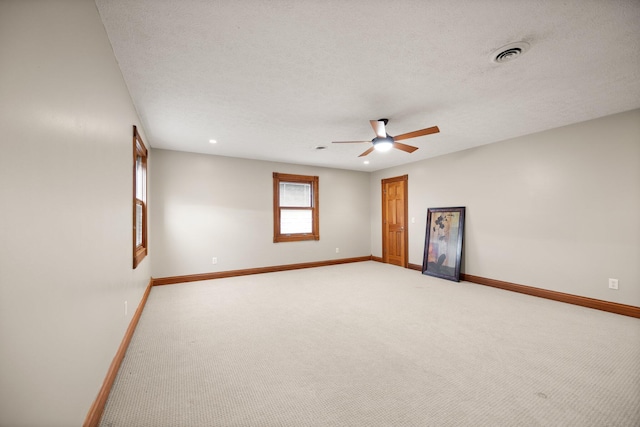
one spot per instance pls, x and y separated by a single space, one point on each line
385 142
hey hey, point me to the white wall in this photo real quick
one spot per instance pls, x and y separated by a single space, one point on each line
66 218
556 210
210 206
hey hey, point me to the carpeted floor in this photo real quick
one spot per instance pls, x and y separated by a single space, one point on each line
370 344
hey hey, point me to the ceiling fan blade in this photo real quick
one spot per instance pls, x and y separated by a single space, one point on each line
404 147
366 152
348 142
378 128
416 133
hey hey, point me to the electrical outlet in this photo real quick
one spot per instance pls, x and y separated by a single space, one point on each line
214 260
337 250
126 311
613 283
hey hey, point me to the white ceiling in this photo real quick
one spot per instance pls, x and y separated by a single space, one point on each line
272 80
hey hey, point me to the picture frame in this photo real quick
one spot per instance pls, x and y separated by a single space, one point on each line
443 243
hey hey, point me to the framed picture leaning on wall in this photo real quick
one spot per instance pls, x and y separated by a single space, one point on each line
443 243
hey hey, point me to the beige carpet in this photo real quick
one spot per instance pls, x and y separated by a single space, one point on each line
370 344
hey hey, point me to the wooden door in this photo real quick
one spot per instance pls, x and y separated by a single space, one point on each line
394 221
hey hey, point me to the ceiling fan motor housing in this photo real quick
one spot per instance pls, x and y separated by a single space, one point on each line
378 140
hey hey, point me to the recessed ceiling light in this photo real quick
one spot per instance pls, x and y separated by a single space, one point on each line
366 162
212 141
509 52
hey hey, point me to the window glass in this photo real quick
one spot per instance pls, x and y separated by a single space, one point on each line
295 221
138 224
295 194
139 178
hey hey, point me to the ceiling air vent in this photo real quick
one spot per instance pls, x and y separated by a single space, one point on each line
509 52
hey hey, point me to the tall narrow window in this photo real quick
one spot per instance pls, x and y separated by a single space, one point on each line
139 199
295 208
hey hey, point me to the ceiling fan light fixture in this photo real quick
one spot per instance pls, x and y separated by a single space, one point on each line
383 144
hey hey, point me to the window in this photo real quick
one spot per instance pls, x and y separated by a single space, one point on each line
139 199
295 208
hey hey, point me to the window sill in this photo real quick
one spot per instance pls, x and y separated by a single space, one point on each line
295 238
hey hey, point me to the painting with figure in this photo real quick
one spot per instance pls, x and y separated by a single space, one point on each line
443 243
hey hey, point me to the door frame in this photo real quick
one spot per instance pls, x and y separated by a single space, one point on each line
385 255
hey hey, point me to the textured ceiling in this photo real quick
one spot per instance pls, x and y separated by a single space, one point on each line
272 80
